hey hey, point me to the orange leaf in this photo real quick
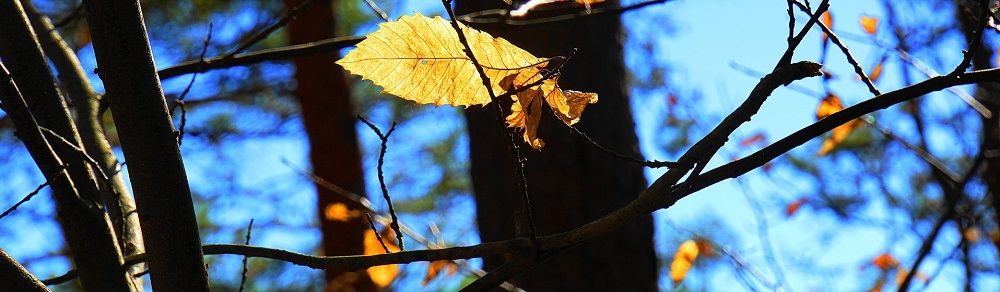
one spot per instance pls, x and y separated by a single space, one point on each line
830 105
869 24
758 138
972 234
827 19
381 275
435 268
794 206
875 73
684 258
885 261
340 212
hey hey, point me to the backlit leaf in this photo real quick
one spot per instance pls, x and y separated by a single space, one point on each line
794 206
421 59
876 72
885 262
435 269
758 138
869 24
381 275
827 19
340 212
828 106
684 258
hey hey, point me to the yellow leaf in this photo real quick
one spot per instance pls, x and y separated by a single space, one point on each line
381 275
435 268
829 105
421 59
685 256
869 24
340 212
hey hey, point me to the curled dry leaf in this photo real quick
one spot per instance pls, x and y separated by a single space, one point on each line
684 258
828 106
420 58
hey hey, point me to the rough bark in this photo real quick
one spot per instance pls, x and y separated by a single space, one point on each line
54 147
15 277
149 142
116 195
570 182
329 119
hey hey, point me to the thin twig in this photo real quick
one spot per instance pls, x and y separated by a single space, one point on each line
381 176
79 151
502 16
759 158
244 59
843 48
791 22
786 58
267 31
243 276
364 202
976 41
377 10
25 199
180 99
953 195
371 223
630 158
519 161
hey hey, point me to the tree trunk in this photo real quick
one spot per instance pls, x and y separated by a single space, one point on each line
570 182
117 197
325 101
43 123
149 142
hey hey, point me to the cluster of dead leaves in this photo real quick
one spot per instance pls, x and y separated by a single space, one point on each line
420 58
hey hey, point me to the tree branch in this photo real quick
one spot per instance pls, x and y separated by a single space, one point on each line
15 277
149 142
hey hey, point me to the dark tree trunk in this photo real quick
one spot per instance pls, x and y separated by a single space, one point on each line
325 101
569 181
43 123
149 142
